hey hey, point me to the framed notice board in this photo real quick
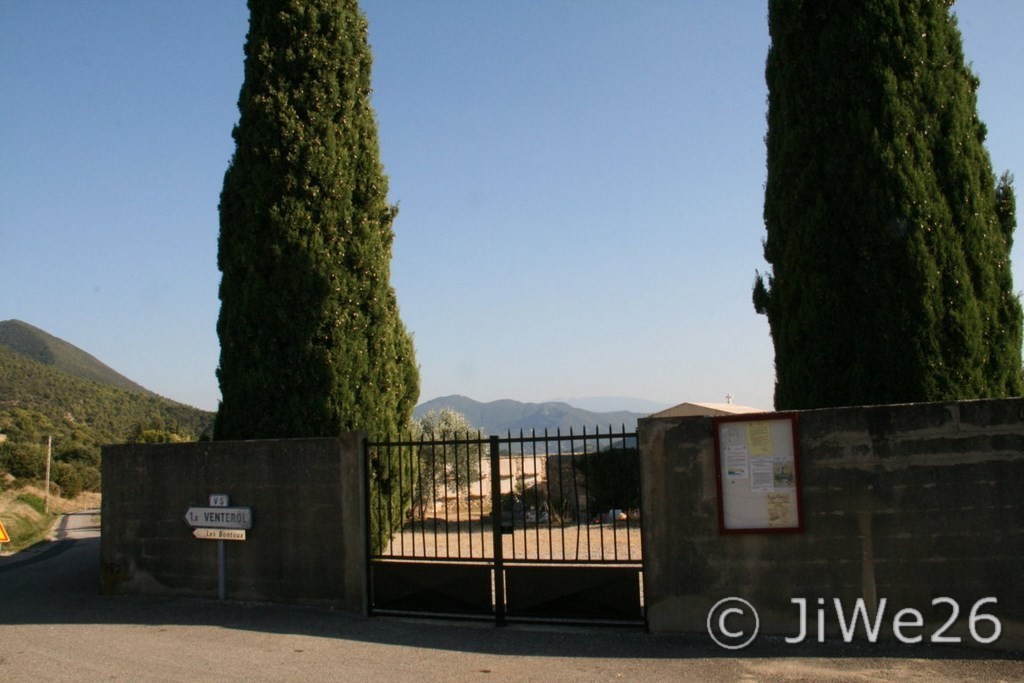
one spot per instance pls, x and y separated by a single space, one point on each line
757 462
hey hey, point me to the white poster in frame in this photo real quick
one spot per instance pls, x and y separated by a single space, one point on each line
757 463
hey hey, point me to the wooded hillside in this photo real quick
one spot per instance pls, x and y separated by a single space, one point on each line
53 389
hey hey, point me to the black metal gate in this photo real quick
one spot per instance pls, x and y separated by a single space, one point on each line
530 528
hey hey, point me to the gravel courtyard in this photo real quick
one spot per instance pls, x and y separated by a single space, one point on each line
619 541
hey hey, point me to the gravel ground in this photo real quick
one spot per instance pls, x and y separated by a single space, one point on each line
472 540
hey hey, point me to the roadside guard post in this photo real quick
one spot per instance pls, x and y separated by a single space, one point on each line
220 523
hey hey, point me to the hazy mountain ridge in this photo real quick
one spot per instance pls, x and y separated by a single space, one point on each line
41 372
506 415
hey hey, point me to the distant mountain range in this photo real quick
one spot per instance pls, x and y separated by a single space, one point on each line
44 373
499 417
74 390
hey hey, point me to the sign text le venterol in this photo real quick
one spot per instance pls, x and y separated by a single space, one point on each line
219 517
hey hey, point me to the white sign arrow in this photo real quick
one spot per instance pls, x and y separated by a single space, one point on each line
220 534
219 518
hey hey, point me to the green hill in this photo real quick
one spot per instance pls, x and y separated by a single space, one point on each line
80 398
44 348
49 388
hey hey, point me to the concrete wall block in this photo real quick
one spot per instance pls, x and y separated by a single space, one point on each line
904 502
307 541
991 416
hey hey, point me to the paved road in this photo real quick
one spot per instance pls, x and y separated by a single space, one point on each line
54 626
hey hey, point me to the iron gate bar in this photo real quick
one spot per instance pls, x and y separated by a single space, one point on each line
439 473
407 543
496 532
550 467
588 514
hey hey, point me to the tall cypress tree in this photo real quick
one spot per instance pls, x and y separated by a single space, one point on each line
311 340
888 241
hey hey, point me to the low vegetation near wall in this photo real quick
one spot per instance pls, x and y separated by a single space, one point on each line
28 517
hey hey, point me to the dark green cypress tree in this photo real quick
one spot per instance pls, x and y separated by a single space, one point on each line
311 340
888 241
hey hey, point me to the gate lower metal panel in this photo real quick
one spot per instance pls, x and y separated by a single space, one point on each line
432 587
560 592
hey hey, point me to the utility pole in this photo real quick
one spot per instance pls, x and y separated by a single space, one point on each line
49 450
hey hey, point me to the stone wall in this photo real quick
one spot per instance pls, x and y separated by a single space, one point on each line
307 543
907 502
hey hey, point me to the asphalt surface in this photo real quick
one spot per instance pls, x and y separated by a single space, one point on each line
54 626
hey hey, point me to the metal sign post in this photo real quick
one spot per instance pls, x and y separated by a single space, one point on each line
220 500
220 523
4 538
222 578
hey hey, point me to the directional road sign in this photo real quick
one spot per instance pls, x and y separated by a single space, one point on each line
220 534
219 518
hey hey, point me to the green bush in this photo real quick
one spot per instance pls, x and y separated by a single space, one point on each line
76 468
90 477
23 460
613 479
78 452
67 477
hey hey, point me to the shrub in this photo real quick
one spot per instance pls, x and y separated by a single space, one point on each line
90 477
23 460
78 452
613 479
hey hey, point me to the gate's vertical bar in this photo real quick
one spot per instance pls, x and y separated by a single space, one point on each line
581 514
460 474
587 471
401 501
564 509
512 492
445 451
480 493
499 569
537 502
368 501
424 473
614 498
469 494
433 494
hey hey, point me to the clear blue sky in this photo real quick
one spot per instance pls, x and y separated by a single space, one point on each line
580 185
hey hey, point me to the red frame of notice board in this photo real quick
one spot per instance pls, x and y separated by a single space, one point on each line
798 494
